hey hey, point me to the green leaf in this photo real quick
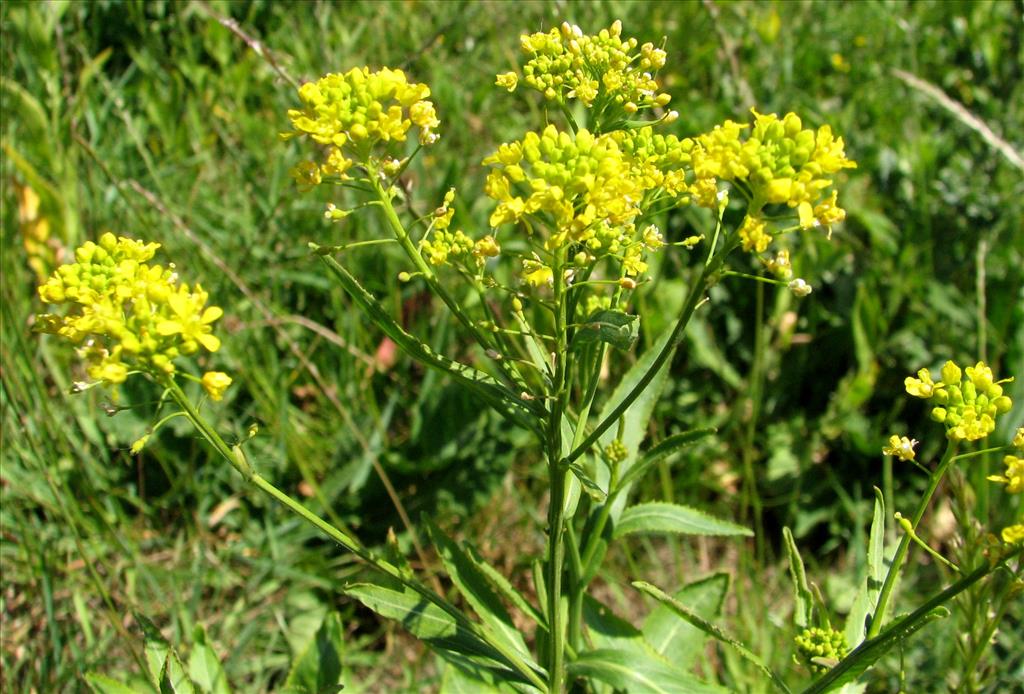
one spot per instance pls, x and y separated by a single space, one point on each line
475 588
662 450
634 673
155 648
867 595
204 666
671 635
660 517
101 684
803 601
426 621
591 487
173 678
615 328
502 585
710 629
317 669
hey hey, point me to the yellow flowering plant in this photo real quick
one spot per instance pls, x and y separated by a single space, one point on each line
573 227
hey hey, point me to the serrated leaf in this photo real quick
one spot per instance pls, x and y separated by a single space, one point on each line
317 668
670 634
615 328
632 672
660 517
204 666
803 601
475 588
101 684
710 629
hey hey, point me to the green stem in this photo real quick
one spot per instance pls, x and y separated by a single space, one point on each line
696 293
557 473
398 229
878 614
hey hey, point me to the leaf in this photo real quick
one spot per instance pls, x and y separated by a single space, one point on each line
660 517
318 667
155 648
615 328
477 591
710 629
662 450
803 601
428 622
204 666
867 595
101 684
633 672
500 583
591 487
670 634
173 678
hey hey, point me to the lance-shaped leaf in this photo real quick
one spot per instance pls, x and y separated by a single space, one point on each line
432 625
204 666
670 634
659 517
317 668
803 600
476 589
867 595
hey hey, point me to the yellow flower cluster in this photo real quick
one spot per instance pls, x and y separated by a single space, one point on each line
587 189
440 244
127 314
781 162
967 406
351 113
1013 534
603 71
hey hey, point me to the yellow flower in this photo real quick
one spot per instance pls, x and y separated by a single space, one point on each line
1013 534
753 235
1018 438
508 80
215 383
901 447
188 322
537 273
1014 476
921 387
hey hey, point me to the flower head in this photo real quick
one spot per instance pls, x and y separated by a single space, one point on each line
967 401
1013 534
603 70
125 313
816 644
353 113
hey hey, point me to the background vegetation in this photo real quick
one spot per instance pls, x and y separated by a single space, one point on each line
160 120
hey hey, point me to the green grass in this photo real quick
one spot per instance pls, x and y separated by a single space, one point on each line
155 120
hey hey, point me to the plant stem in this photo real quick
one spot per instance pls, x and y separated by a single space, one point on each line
878 615
557 473
692 300
509 370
